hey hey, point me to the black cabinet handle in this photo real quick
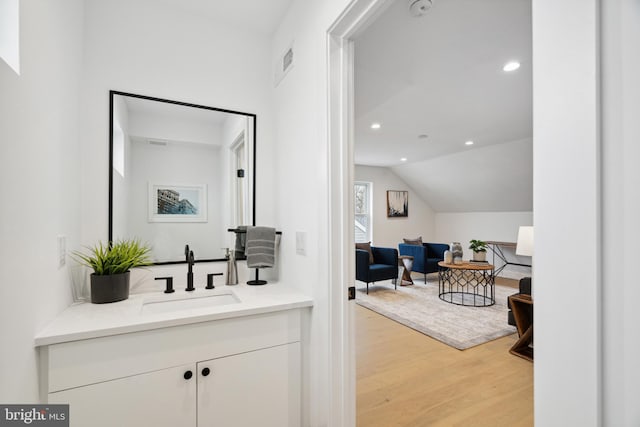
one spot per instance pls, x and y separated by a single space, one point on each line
188 375
205 372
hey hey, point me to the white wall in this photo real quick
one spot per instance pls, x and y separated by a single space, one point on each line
167 239
302 180
621 202
388 232
489 226
146 47
39 184
566 200
165 126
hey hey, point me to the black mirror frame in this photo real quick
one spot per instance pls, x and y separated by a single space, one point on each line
113 93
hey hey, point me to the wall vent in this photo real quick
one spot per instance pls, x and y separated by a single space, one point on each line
156 142
284 64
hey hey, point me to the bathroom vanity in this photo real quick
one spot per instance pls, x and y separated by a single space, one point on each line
224 357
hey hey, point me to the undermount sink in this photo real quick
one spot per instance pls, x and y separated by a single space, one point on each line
158 305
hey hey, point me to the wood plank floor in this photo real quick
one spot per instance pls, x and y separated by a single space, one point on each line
405 378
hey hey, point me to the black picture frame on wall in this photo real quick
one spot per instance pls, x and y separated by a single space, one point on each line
397 203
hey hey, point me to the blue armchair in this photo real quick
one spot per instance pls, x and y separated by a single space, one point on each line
425 256
384 266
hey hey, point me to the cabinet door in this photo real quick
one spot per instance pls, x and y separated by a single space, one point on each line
258 388
161 399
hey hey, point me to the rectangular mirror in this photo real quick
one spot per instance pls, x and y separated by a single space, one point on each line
179 174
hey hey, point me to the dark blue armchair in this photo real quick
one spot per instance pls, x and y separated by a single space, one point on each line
425 256
384 266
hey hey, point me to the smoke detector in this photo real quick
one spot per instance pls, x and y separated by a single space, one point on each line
418 8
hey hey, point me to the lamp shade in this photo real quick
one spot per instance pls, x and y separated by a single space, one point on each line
525 241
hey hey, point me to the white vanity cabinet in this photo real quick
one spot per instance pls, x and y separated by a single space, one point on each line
160 399
243 371
251 389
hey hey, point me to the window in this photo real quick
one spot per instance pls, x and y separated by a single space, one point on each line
10 33
363 223
118 148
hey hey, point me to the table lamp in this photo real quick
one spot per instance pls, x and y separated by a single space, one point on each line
524 246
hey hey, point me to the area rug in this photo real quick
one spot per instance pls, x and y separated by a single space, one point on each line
419 308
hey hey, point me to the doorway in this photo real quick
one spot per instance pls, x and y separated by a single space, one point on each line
239 186
341 59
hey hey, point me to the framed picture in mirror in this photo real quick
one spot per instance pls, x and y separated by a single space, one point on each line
177 203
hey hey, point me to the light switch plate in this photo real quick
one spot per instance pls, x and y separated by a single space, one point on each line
301 242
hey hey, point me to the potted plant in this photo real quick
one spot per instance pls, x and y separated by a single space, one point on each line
111 264
479 249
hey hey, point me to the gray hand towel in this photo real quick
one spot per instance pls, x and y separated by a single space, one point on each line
241 239
260 247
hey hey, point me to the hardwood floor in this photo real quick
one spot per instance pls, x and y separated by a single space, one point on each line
405 378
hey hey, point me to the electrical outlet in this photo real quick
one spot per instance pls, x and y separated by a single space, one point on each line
301 243
62 250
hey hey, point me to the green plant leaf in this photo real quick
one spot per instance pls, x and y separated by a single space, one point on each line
478 245
115 257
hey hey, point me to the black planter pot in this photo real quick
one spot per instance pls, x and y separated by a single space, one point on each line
110 288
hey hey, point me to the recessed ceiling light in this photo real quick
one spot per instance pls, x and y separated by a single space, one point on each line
375 125
511 66
468 143
403 159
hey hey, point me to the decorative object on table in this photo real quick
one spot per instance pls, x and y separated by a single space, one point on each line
418 307
397 203
479 249
111 264
456 249
177 203
232 268
448 257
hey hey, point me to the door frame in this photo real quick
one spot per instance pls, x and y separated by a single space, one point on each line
340 65
553 36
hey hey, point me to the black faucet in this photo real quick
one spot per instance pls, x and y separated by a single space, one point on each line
190 261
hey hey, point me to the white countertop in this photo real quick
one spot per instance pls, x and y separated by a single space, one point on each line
85 320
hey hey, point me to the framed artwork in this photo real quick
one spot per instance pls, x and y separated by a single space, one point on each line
397 203
177 203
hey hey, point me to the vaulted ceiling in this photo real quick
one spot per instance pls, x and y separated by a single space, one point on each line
435 82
